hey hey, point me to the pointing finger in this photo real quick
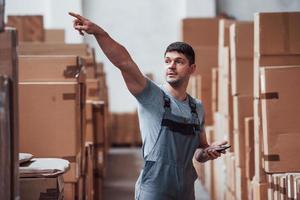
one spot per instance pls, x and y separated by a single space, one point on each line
77 16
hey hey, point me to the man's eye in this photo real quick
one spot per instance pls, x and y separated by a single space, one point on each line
179 62
167 61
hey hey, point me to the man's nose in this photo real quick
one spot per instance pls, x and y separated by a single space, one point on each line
172 65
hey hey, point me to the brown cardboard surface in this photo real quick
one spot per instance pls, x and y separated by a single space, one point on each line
206 57
9 68
55 35
249 147
69 191
260 190
242 107
89 177
49 114
51 68
241 189
30 27
223 38
200 31
260 175
92 89
215 90
100 123
285 41
25 48
280 119
242 77
241 40
42 188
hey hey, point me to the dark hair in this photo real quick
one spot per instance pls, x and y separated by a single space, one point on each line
183 48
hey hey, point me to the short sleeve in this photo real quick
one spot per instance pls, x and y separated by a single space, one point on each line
150 94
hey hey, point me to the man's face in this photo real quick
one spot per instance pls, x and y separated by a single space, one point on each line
177 68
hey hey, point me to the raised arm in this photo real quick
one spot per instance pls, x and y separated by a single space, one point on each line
115 52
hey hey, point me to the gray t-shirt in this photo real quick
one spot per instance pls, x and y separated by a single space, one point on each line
151 109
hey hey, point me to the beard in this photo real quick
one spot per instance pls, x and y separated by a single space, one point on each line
174 82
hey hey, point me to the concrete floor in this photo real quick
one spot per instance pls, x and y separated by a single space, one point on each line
123 168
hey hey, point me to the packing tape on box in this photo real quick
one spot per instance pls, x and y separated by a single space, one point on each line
269 95
271 157
69 96
71 71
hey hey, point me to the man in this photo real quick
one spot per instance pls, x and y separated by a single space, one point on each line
171 121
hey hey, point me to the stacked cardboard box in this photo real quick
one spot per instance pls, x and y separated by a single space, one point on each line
9 128
271 52
202 34
241 68
124 129
54 35
30 28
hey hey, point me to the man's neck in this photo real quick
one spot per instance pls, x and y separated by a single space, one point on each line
177 92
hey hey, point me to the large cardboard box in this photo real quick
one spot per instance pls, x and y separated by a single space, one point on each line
206 57
242 77
69 191
100 123
285 41
223 38
89 185
242 107
200 31
55 36
249 147
50 122
241 190
280 110
53 49
42 188
51 68
277 49
30 27
8 67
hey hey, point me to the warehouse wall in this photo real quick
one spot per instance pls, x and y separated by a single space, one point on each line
55 13
145 29
244 9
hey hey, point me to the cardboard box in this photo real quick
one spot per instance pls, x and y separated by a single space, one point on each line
215 90
51 68
241 190
241 54
241 40
224 25
223 130
89 185
249 147
242 77
53 49
55 35
8 67
30 27
285 41
206 57
200 31
260 175
92 89
280 131
260 190
100 123
50 114
275 49
69 191
42 188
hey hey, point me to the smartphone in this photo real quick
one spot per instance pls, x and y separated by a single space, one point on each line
222 148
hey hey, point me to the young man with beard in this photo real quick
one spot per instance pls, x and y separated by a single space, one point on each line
171 121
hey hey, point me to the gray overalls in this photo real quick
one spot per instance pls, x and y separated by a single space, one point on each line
168 173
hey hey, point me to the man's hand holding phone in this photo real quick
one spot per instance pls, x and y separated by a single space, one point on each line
216 149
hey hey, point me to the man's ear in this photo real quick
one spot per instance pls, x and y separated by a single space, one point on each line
193 68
